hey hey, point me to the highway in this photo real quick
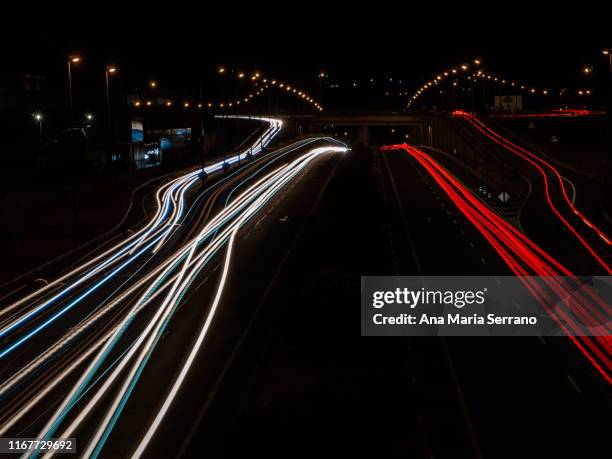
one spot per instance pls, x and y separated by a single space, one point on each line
299 358
526 260
515 368
85 338
140 349
582 243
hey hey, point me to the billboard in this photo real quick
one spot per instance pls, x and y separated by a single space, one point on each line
146 154
509 103
137 130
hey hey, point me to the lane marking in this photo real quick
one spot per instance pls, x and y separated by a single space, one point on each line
574 384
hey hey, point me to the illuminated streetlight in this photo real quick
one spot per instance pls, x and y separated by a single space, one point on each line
221 69
608 52
153 84
109 70
71 60
38 117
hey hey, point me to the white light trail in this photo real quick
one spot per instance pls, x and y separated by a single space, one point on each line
241 209
169 196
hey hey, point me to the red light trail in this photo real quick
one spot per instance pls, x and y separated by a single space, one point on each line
540 164
526 259
558 113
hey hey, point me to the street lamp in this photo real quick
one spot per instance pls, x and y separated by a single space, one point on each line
608 52
38 117
71 60
322 75
110 70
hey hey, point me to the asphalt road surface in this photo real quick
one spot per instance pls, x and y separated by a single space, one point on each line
281 370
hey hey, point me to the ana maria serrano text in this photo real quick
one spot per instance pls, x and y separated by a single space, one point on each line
457 298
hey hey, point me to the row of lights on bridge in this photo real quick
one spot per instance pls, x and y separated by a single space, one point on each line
457 72
436 80
257 77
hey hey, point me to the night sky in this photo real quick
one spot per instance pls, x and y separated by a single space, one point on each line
182 45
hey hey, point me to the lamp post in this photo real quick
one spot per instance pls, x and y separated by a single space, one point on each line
110 70
477 61
221 71
240 75
322 75
71 60
39 119
608 52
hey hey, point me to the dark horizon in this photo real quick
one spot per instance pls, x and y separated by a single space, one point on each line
186 51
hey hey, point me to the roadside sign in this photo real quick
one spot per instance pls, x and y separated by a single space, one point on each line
503 197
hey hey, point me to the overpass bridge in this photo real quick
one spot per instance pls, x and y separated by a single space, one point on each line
419 126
